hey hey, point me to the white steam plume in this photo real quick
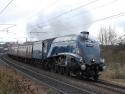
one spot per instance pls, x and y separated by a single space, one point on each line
57 21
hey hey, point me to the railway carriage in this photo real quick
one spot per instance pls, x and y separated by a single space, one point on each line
25 51
22 51
40 50
13 51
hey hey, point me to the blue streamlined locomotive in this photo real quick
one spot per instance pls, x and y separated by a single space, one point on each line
74 55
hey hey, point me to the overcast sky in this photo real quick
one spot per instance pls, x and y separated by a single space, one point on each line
87 17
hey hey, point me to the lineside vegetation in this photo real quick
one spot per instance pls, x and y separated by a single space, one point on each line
12 82
115 60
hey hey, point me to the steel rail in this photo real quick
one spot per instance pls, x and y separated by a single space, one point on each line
60 86
101 84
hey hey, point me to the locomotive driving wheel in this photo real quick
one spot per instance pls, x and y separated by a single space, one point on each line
96 76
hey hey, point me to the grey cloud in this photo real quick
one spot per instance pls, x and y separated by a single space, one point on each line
67 23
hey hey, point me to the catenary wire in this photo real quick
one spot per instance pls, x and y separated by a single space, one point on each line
85 12
6 7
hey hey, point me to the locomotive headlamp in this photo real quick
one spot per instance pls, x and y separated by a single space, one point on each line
84 35
93 60
83 67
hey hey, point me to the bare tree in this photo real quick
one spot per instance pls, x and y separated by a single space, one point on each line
121 40
112 36
101 36
107 36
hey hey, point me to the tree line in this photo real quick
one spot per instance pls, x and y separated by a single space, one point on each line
108 36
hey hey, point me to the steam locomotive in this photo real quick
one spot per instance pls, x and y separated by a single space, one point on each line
73 55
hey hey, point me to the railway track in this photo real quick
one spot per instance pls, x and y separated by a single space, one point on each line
68 85
107 84
61 87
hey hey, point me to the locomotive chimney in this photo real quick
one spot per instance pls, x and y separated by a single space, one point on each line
84 35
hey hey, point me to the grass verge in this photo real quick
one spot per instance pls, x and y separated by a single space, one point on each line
12 82
115 61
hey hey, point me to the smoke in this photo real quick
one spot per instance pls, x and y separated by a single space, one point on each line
60 20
